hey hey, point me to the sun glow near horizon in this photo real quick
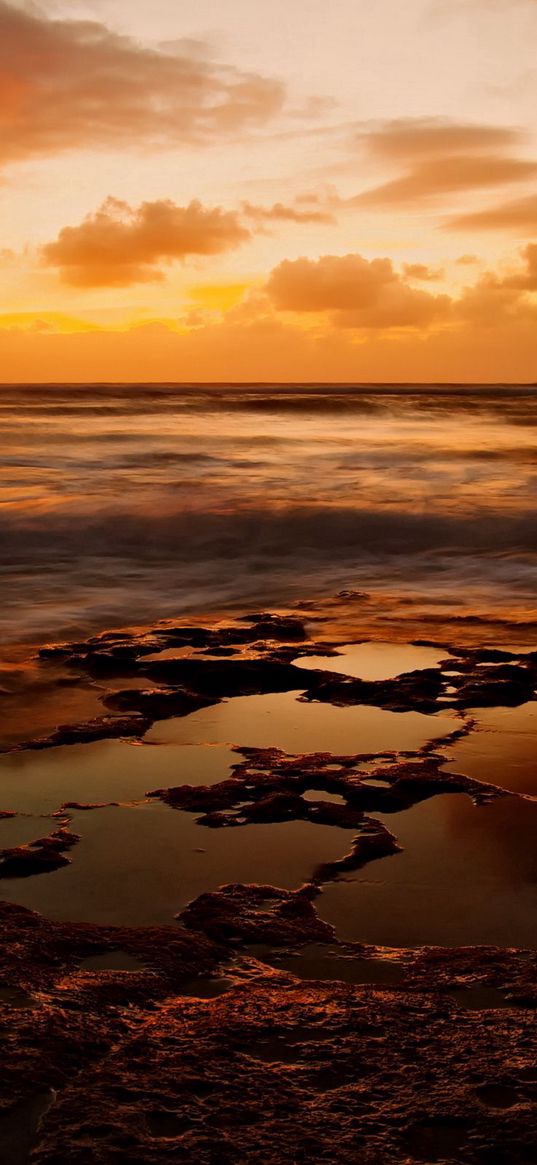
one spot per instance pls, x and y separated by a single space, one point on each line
257 192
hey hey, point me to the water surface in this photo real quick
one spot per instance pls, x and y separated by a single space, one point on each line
125 503
503 749
466 875
139 865
376 660
109 770
281 720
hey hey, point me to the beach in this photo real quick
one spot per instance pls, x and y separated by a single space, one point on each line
281 829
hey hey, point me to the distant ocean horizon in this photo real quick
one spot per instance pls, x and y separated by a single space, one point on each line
351 386
121 503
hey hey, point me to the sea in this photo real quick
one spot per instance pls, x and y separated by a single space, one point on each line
126 503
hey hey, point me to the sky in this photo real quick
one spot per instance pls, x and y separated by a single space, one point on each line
266 190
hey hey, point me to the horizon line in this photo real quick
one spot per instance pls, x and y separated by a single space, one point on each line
306 384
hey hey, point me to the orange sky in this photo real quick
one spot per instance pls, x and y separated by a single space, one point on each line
255 190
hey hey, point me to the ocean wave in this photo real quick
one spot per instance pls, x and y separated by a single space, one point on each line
157 499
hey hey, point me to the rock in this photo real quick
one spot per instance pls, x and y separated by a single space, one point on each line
256 914
280 1072
503 686
373 841
101 728
230 677
269 786
158 704
39 857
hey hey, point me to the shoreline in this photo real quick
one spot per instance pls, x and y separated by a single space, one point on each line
24 679
248 1028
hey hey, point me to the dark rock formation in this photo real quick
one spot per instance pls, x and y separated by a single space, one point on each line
39 857
158 704
262 647
101 728
260 914
269 786
229 677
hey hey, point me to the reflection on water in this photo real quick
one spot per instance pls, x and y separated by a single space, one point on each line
39 782
503 750
21 830
140 865
280 720
376 661
117 960
33 705
467 875
321 961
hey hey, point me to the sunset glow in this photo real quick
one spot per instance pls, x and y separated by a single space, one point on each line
268 191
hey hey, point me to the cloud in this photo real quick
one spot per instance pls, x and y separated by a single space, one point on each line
277 349
71 84
526 280
422 272
367 325
120 245
489 302
447 175
520 215
359 293
279 212
441 157
494 300
415 137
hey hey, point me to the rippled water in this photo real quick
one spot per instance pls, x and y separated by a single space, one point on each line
128 503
